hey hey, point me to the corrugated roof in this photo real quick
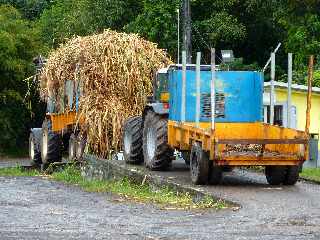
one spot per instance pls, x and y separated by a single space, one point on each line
296 87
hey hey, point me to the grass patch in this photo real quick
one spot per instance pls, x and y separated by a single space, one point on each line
164 197
17 172
311 174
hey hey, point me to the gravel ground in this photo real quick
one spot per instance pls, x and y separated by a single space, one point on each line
9 162
36 208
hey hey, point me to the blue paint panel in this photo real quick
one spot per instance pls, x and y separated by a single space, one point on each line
242 91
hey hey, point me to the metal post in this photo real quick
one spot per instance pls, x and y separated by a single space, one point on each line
269 60
198 83
183 95
178 12
213 92
187 29
273 68
310 79
289 90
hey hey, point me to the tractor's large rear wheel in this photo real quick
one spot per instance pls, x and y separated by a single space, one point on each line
199 165
275 175
34 146
51 145
157 153
132 140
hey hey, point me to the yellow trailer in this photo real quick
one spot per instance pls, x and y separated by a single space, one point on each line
214 118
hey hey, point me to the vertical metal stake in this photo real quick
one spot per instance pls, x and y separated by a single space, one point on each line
289 90
273 68
183 94
198 84
213 92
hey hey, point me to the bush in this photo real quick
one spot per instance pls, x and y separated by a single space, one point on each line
13 118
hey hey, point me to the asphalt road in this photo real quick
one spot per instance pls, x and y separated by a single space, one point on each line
35 208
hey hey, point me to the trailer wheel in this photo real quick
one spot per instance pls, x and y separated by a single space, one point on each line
215 174
50 145
199 165
292 175
275 174
157 153
34 146
132 140
186 157
72 148
81 145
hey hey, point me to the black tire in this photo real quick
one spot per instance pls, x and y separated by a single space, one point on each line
199 165
34 146
186 157
72 148
275 175
215 174
65 142
157 153
292 175
51 145
81 142
132 140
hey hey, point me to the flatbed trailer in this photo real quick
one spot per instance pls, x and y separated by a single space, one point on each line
214 119
273 145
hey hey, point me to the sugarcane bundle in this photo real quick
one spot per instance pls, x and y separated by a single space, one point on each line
112 73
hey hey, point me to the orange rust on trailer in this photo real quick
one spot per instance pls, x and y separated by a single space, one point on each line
62 121
287 144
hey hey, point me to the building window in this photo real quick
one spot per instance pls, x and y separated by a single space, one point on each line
278 115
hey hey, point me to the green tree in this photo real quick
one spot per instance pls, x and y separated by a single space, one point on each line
301 19
31 9
18 46
84 17
158 23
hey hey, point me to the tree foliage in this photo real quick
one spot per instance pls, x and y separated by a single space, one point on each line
18 45
301 19
251 28
83 17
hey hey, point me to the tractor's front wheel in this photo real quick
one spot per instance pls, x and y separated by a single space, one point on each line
132 140
157 153
51 144
199 165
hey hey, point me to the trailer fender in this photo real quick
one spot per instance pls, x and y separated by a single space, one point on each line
157 108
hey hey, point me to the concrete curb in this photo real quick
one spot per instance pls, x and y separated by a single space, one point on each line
103 169
309 180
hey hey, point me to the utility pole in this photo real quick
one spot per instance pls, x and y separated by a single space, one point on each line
187 29
178 12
